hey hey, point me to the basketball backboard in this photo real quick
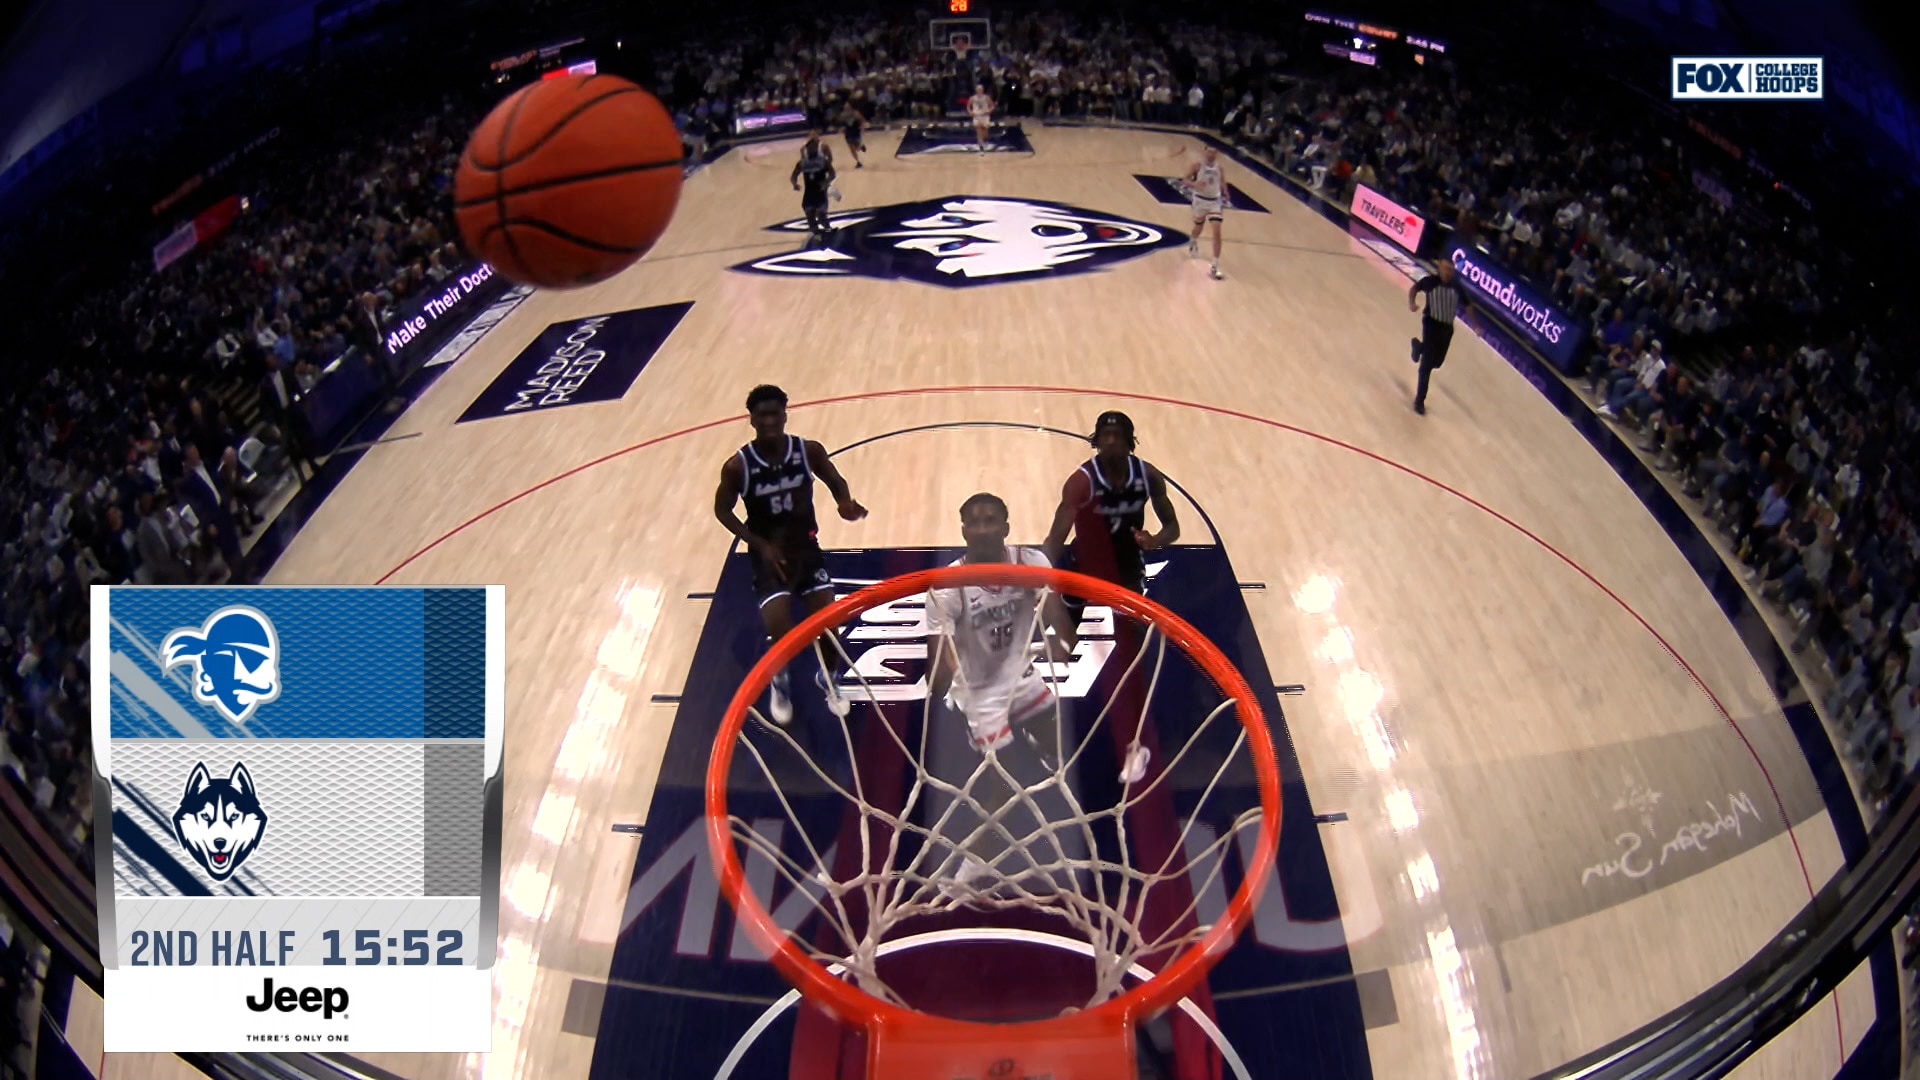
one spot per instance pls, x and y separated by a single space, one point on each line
978 33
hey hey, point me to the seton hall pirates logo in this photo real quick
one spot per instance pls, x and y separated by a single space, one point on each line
235 658
966 240
219 821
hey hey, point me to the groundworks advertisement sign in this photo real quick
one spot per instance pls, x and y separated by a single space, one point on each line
1497 289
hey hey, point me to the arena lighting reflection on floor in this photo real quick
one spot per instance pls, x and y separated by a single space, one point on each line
528 890
1361 695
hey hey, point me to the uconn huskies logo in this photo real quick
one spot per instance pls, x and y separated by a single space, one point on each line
235 658
966 240
219 821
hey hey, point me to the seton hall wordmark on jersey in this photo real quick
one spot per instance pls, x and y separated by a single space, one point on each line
778 492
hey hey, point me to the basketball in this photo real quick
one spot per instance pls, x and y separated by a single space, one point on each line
568 181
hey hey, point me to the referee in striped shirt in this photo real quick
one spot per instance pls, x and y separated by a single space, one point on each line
1444 302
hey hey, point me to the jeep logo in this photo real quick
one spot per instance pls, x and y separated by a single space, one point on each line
326 1002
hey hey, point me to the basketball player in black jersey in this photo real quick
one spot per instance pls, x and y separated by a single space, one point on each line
815 167
1104 506
774 475
853 124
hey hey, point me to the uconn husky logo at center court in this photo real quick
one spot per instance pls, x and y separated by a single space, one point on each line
967 240
234 657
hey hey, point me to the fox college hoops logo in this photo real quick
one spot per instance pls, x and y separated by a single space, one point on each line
1749 78
966 240
219 821
235 657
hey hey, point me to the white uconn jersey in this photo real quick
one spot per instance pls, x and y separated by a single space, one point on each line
1208 186
992 629
980 106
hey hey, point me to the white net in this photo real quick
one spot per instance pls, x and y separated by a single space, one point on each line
1005 797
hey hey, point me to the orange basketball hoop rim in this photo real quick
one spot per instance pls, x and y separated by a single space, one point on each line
902 1042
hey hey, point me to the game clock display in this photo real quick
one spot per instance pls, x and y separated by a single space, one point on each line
297 800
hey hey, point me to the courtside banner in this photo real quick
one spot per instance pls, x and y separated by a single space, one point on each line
297 816
1749 78
466 289
1389 218
1495 288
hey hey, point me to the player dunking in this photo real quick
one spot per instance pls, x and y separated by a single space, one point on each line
980 107
1104 504
1207 186
774 475
815 167
853 123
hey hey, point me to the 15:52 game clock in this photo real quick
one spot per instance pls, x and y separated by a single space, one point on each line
297 803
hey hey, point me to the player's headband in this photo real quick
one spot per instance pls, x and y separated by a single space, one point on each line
1113 419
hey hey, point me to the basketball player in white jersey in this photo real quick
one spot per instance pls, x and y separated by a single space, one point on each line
1207 186
983 651
980 107
983 666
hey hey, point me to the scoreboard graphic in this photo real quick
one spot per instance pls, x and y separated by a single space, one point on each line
297 799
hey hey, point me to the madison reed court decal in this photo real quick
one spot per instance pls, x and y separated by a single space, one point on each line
579 361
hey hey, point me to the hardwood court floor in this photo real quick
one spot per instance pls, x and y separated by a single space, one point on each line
1510 668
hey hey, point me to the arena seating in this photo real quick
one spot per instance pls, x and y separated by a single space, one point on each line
1734 357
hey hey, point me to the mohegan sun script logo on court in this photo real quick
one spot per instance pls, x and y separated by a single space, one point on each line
235 657
966 240
1749 78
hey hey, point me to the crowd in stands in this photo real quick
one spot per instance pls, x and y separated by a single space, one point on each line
1035 66
1709 341
23 963
1801 443
121 465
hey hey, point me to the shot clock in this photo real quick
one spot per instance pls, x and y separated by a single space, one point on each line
297 803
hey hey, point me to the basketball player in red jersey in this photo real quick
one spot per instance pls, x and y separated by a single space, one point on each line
774 475
1104 505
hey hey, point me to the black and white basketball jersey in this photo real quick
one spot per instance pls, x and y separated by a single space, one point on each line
813 171
1124 506
779 492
